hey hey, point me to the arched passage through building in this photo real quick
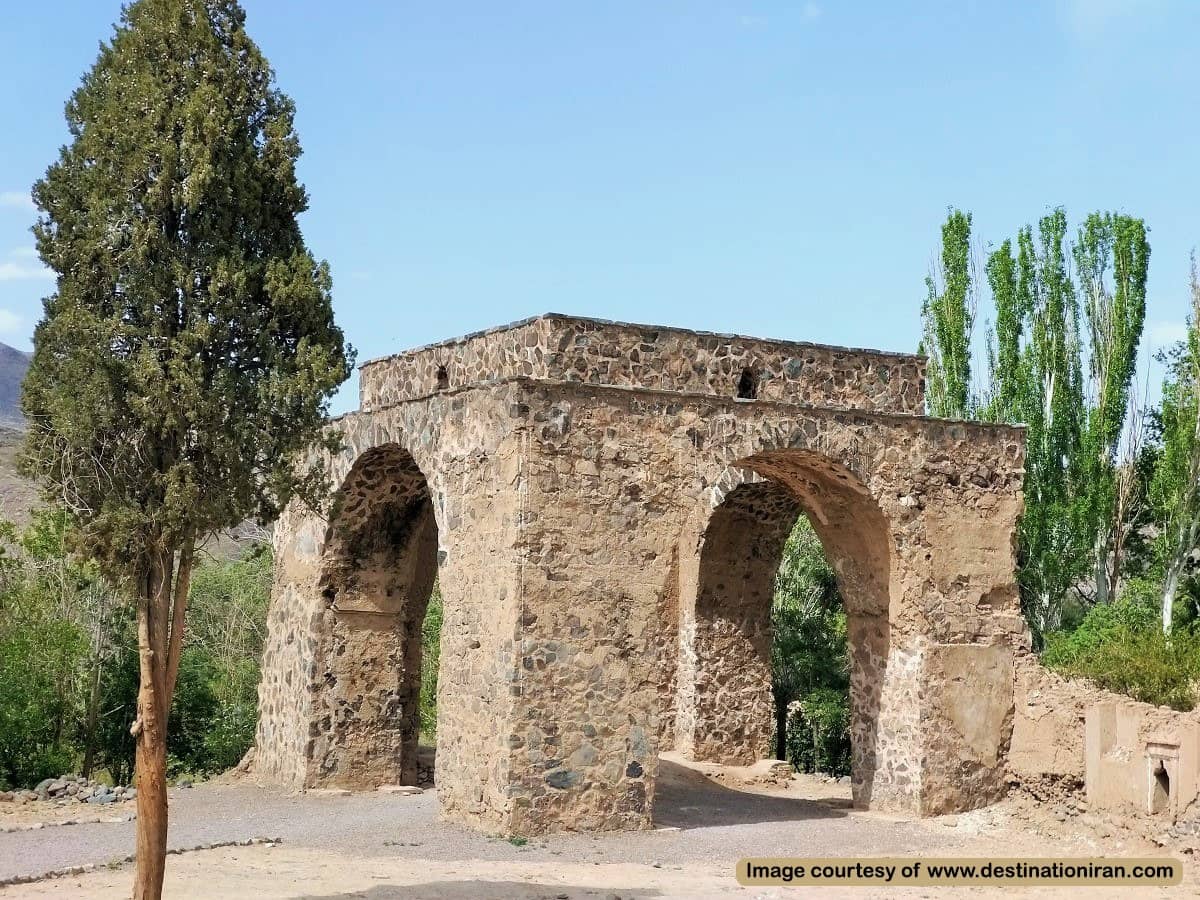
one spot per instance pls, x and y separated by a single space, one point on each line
377 575
724 706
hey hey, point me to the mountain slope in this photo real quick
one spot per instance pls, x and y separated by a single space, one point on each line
13 366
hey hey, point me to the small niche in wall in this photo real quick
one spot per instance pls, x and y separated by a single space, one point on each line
443 378
1162 760
747 386
1160 790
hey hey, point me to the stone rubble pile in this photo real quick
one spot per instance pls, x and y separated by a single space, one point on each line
70 789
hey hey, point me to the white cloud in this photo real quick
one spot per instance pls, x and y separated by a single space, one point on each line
1088 19
17 200
1164 334
22 264
811 11
11 323
16 271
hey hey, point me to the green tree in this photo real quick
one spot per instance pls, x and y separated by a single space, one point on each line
808 651
228 628
1035 366
189 350
431 652
1115 313
948 314
39 655
1175 484
1121 647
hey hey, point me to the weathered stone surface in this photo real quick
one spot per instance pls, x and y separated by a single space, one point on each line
605 516
567 348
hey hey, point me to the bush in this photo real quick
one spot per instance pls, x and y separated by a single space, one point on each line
1121 648
215 709
818 734
38 699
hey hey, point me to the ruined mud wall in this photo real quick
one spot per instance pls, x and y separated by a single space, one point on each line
1069 735
561 348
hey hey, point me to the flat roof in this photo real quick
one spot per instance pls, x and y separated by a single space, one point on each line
602 323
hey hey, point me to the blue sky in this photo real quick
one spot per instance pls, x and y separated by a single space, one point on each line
775 169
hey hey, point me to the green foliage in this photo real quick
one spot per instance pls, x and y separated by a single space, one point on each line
1121 647
118 690
1174 486
1038 351
818 732
949 317
809 662
189 349
228 630
50 627
39 658
431 650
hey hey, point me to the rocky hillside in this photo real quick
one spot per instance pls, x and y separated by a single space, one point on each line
17 496
13 365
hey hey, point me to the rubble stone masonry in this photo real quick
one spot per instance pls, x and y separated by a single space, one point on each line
604 507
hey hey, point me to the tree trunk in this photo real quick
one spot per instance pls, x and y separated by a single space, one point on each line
93 716
1170 585
1189 536
780 730
150 728
151 772
1100 557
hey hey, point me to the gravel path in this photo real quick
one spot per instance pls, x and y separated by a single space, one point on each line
712 822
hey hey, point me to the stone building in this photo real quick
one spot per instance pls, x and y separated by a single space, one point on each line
604 507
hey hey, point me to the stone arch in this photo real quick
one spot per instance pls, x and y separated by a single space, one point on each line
724 703
376 575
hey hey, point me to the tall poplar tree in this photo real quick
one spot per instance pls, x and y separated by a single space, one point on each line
949 317
189 350
1175 486
1043 340
1114 308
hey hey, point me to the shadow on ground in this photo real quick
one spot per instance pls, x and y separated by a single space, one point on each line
685 798
486 890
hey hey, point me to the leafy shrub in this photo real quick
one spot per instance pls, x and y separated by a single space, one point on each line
38 696
216 696
1121 648
818 734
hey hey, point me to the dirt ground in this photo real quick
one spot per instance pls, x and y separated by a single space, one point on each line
378 846
14 816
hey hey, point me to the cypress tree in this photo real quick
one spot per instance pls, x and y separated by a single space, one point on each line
189 350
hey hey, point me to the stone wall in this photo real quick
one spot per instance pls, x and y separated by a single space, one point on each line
605 554
728 702
563 348
470 456
616 474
